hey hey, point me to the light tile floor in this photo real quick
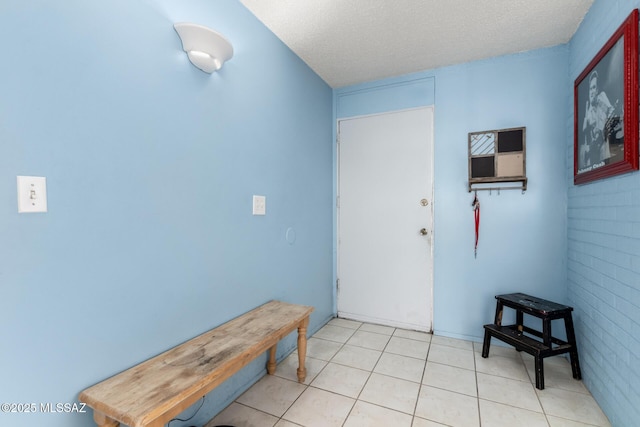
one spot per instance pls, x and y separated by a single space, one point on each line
363 375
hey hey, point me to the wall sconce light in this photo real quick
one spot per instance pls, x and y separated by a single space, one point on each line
206 49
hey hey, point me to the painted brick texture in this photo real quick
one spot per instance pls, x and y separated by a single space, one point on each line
603 221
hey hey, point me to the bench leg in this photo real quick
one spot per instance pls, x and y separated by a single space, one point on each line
271 365
539 367
519 325
302 349
103 421
486 344
571 338
546 332
498 318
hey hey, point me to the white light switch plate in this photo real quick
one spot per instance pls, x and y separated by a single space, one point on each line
32 194
259 205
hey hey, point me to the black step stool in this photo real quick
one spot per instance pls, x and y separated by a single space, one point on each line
515 334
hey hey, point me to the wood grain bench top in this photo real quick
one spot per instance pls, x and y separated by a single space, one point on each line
165 385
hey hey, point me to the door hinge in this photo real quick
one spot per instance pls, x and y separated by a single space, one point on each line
338 284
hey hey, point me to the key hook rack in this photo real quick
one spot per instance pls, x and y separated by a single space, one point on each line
495 157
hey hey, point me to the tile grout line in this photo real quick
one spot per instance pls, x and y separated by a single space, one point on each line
422 384
356 399
475 371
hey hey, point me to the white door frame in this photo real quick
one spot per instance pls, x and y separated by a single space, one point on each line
430 226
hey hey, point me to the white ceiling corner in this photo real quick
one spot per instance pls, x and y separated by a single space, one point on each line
354 41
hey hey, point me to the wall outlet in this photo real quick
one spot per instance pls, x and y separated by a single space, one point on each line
259 205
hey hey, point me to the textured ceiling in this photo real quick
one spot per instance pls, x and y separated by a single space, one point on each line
354 41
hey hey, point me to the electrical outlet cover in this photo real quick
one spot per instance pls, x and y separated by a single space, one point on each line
259 205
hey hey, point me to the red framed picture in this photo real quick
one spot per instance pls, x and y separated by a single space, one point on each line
606 109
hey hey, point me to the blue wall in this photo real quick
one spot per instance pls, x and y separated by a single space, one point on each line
518 233
151 165
604 251
522 236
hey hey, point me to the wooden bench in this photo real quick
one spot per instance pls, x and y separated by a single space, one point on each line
157 390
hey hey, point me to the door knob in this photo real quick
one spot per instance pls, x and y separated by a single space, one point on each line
423 231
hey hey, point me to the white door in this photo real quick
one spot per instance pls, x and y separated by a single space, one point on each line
385 264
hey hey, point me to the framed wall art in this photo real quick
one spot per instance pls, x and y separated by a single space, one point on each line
606 108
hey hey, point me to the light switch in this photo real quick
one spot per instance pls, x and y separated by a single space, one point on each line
32 194
259 205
